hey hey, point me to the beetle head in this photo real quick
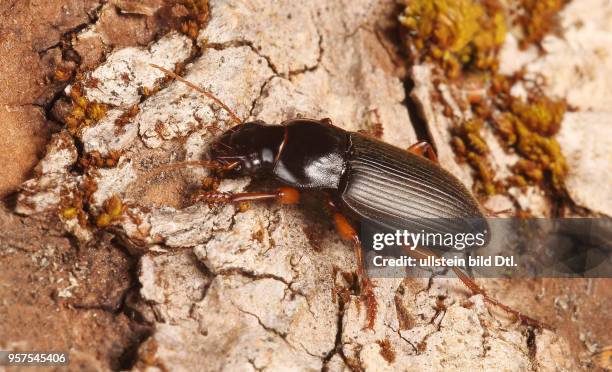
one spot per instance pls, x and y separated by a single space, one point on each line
251 147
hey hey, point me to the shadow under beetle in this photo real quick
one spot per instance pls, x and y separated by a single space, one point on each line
362 177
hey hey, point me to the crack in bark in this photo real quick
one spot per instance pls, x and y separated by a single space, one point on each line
243 43
65 45
338 344
532 347
314 67
432 321
252 363
248 43
66 36
255 276
278 333
261 93
415 112
290 74
399 333
273 330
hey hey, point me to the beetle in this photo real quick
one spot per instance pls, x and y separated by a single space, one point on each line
364 179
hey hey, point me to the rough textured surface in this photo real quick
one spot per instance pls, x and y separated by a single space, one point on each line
577 65
270 287
58 297
585 139
43 44
31 32
574 64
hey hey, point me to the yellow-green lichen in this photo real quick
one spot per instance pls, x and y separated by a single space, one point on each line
113 211
196 18
75 204
457 34
538 18
529 127
471 147
97 160
84 113
539 113
62 73
69 213
463 38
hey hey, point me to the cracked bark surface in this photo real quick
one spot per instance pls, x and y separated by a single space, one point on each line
252 289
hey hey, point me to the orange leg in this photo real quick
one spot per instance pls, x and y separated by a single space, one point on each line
424 149
284 195
349 233
420 252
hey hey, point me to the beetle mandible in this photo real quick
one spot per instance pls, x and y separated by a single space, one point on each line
363 178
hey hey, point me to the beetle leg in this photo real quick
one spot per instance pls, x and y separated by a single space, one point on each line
420 252
284 195
347 232
423 148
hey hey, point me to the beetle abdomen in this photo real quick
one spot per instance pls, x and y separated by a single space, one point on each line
395 188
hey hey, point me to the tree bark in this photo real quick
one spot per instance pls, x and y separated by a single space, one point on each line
225 288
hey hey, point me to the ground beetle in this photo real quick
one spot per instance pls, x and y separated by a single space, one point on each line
363 178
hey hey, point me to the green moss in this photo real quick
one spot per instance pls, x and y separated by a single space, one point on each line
457 34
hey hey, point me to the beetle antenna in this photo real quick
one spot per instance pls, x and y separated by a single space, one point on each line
208 164
199 89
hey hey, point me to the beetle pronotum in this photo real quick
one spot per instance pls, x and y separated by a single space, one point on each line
363 178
